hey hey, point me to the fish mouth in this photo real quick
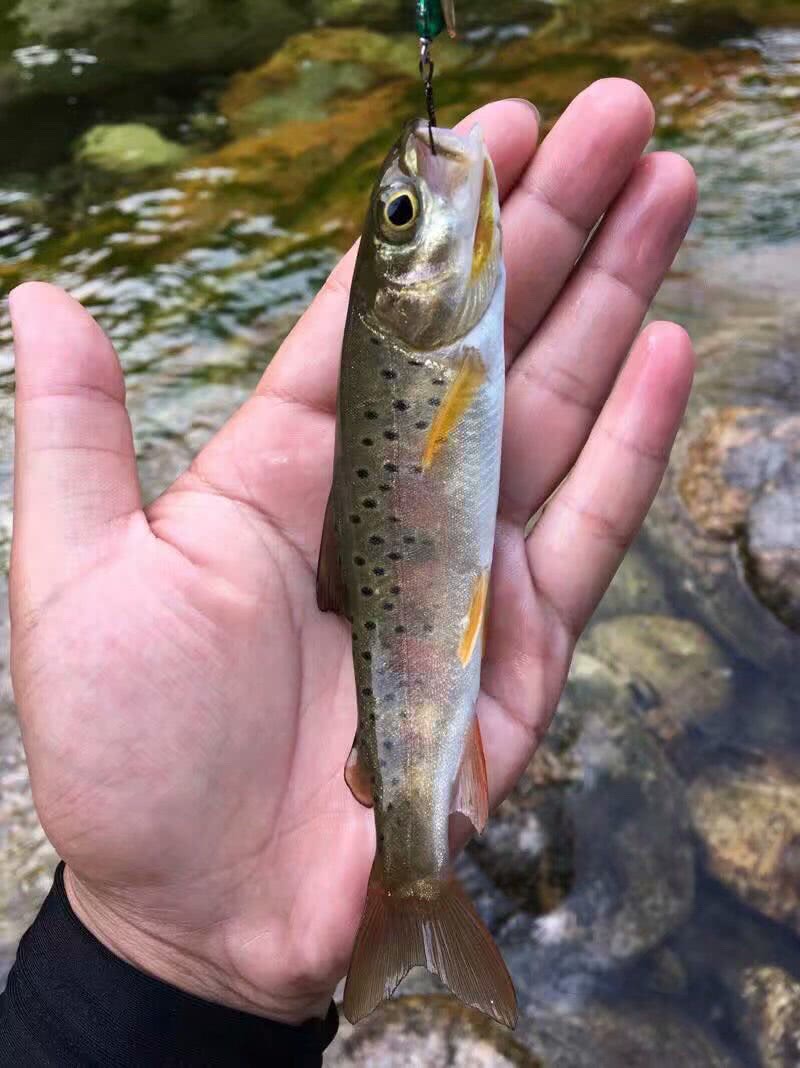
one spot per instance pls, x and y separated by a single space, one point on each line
462 161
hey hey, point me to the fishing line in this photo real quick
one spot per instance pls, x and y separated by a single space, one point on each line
427 70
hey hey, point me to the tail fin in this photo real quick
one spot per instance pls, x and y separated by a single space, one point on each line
443 934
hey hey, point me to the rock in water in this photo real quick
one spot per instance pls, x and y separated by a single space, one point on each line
728 519
128 148
772 1015
434 1030
676 674
749 822
602 898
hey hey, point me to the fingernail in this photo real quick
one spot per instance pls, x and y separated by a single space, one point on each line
528 104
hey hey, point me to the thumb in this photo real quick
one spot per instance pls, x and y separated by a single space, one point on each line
75 480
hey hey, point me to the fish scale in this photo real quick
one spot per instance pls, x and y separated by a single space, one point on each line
407 551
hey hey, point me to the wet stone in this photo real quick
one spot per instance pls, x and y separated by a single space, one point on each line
433 1030
675 674
599 899
772 1015
728 520
748 820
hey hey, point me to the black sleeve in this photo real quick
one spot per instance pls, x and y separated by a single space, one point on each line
71 1003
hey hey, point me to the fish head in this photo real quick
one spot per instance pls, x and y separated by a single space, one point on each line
432 246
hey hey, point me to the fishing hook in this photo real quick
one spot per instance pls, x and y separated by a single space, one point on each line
426 70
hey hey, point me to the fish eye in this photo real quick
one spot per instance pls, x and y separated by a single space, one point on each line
400 211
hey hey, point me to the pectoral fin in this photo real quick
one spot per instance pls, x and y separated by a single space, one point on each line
471 794
331 590
358 780
456 403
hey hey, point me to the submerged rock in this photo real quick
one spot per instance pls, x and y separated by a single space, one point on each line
433 1030
729 521
675 673
127 148
612 1036
748 820
594 840
772 1015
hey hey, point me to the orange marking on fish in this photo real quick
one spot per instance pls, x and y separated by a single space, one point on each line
475 618
485 231
457 401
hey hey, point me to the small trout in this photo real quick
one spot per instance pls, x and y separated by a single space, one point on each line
407 549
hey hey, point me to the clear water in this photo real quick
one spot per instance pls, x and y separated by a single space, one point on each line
197 269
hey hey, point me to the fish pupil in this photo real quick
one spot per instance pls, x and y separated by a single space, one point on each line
400 211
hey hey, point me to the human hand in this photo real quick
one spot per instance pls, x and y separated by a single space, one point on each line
186 709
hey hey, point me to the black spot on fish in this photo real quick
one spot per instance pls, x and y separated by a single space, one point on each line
367 591
415 363
367 656
384 487
379 571
389 807
370 624
372 720
366 692
409 539
359 561
370 502
400 406
388 373
438 381
395 590
400 629
390 435
375 340
390 467
394 519
362 472
394 556
387 745
389 606
395 782
434 402
355 519
428 628
367 441
370 414
417 469
376 539
383 765
421 425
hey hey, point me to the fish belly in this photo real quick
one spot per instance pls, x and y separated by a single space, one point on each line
416 488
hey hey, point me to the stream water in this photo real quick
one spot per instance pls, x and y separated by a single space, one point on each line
191 170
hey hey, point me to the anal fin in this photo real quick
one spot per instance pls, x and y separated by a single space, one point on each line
471 793
331 590
358 780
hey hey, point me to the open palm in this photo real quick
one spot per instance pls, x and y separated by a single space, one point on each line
187 711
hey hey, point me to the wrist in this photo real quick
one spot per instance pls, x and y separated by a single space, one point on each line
188 961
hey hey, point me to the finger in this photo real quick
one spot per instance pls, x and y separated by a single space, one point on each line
560 382
75 468
307 366
275 454
573 178
585 530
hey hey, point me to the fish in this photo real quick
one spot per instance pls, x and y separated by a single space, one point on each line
406 552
